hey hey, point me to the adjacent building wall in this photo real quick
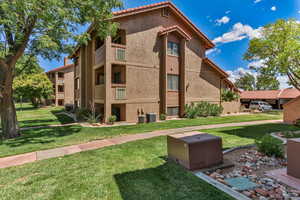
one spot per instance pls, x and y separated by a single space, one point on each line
291 111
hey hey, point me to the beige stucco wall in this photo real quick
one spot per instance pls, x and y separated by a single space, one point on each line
291 111
203 83
231 107
69 86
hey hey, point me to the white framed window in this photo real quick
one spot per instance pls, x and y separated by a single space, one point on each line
173 48
173 82
120 54
120 93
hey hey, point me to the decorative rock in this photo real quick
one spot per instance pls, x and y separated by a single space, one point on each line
248 194
262 192
249 163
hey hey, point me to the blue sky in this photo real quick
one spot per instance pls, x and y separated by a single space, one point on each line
229 23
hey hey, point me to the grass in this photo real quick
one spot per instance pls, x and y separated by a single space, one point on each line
131 171
290 134
246 135
47 138
28 116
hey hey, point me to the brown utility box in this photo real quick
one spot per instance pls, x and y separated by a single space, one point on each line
195 150
293 158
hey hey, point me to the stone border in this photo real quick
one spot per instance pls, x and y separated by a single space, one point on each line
284 140
238 148
222 187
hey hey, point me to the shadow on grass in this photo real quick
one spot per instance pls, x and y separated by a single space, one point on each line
62 118
255 131
59 119
41 136
167 181
26 108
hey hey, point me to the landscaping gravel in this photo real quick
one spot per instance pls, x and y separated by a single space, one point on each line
251 164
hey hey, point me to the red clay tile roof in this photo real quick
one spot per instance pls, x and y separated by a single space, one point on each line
61 68
129 10
292 101
289 93
175 28
209 44
126 12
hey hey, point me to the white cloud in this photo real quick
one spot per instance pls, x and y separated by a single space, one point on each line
236 74
283 80
229 11
238 32
256 64
299 11
257 1
223 20
213 51
274 8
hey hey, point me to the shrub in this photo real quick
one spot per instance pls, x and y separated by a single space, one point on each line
163 117
82 114
202 109
270 146
93 118
112 119
191 111
215 110
297 123
69 107
228 95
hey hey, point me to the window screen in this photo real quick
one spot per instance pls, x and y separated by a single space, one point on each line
173 82
173 49
173 111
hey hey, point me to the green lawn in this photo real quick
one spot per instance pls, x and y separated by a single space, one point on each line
245 135
131 171
28 116
47 138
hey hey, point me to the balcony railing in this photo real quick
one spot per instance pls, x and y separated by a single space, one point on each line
119 51
60 81
120 93
60 95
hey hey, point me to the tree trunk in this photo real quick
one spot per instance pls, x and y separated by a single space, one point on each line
8 115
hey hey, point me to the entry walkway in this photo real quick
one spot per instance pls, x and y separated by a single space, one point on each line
98 144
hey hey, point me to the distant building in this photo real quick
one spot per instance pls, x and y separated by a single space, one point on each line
63 84
274 97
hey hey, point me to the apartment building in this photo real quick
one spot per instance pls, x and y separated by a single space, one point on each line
63 84
155 64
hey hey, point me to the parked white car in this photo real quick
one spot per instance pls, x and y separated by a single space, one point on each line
260 105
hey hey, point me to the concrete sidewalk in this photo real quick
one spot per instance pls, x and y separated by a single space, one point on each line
98 144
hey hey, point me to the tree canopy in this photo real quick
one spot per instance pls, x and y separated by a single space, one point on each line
279 50
262 81
28 64
246 82
47 29
35 87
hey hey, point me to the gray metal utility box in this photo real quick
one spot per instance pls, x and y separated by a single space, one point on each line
151 117
195 150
